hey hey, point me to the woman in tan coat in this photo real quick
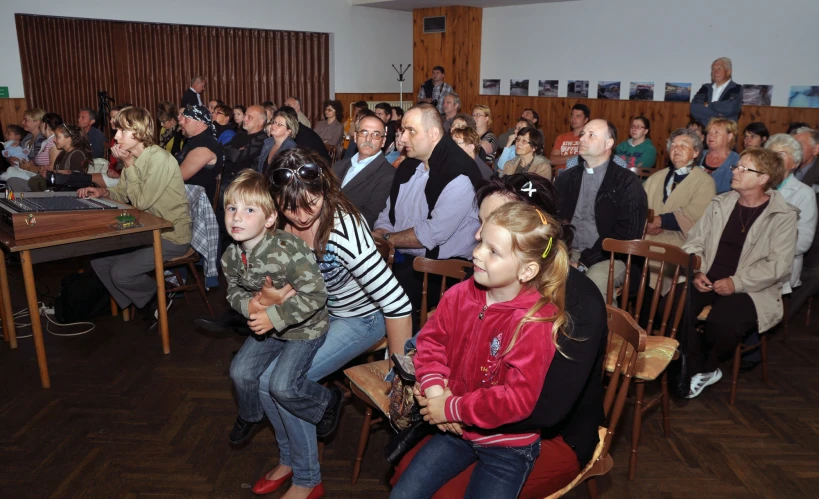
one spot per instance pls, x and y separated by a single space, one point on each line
746 240
678 194
530 158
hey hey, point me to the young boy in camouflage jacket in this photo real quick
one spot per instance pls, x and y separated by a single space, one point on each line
291 330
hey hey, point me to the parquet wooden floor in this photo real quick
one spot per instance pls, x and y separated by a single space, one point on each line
124 421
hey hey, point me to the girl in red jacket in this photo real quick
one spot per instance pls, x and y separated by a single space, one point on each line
483 356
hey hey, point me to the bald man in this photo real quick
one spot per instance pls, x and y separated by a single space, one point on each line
601 200
245 148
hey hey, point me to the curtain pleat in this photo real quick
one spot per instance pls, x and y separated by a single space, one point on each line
67 61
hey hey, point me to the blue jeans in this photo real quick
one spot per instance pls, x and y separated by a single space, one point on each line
500 472
298 448
289 384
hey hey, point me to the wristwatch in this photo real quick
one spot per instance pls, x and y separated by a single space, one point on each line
386 236
582 268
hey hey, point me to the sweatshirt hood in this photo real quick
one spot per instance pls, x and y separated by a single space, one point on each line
523 301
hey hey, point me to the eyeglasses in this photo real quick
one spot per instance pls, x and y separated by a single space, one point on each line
276 123
309 174
744 169
521 140
365 134
637 127
479 115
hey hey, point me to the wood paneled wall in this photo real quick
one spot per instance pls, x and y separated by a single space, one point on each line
458 50
347 99
664 116
11 112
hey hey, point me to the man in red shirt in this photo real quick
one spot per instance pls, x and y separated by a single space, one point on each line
568 144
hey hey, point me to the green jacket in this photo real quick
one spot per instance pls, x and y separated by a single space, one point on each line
286 259
154 184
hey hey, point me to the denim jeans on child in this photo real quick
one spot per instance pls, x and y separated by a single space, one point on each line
347 339
500 472
288 383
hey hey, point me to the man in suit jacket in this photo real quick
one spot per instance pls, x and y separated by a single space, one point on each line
193 95
366 178
722 98
808 171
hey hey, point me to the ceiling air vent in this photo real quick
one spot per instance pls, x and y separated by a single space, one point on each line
435 24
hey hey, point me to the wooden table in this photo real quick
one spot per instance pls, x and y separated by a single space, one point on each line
79 243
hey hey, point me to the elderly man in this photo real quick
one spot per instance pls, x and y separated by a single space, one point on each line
567 145
601 200
295 103
193 95
201 158
451 107
366 178
678 194
86 120
244 150
431 209
435 89
720 99
808 172
222 116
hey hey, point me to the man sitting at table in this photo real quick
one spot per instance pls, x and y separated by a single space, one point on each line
151 181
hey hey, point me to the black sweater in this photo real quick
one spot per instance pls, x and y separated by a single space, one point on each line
620 207
571 402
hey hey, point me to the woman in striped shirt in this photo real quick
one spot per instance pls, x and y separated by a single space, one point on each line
365 300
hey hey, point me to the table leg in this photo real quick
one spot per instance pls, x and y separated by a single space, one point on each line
162 306
34 313
5 307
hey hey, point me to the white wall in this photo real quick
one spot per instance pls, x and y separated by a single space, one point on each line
769 42
364 42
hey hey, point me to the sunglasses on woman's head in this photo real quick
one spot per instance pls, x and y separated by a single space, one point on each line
309 174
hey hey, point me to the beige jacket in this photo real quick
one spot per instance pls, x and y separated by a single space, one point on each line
687 202
540 166
767 255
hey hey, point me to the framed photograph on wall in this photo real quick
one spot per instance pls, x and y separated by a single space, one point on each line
803 96
608 90
547 88
519 88
578 89
757 95
677 92
641 90
490 87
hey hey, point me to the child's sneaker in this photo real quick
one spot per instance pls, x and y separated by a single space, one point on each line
242 430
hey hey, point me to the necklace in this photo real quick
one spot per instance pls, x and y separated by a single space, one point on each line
743 223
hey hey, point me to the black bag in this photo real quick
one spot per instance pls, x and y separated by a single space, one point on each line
82 297
679 373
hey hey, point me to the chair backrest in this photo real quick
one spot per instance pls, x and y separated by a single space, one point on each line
667 259
634 341
649 216
333 151
386 249
216 192
455 269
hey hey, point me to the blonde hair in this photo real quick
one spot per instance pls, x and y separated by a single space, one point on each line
137 120
530 239
730 127
485 109
768 163
35 114
252 188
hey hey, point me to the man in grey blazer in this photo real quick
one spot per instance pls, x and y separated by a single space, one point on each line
366 178
720 99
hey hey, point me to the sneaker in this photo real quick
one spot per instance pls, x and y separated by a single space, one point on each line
329 421
168 303
243 430
701 380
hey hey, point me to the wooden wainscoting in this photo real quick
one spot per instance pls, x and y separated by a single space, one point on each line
348 99
12 111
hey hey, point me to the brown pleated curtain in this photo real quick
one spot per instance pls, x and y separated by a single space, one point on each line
66 61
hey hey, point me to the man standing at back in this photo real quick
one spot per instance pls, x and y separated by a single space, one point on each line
295 103
435 89
568 144
86 121
193 95
722 98
601 200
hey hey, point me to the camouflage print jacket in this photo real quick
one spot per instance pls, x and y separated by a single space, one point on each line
286 259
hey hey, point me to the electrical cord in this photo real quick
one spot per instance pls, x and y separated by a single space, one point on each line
46 312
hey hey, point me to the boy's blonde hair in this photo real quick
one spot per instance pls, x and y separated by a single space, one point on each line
535 234
252 188
139 121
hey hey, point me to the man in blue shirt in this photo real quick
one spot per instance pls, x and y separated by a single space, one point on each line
86 121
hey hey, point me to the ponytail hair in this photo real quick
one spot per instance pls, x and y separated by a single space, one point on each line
537 238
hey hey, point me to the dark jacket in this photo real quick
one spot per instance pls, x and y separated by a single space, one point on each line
243 152
571 402
370 188
310 140
620 208
728 106
268 145
189 98
812 177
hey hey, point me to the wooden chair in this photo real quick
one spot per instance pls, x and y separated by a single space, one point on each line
386 250
649 216
661 346
334 151
367 380
188 260
627 341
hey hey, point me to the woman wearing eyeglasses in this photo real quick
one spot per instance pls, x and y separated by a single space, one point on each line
365 302
489 142
746 240
281 131
529 155
638 151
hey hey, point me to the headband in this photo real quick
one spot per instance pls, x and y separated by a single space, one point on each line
200 113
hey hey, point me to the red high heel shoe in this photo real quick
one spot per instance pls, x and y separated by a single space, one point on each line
317 492
265 486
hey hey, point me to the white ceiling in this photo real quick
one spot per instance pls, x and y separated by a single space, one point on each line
409 5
